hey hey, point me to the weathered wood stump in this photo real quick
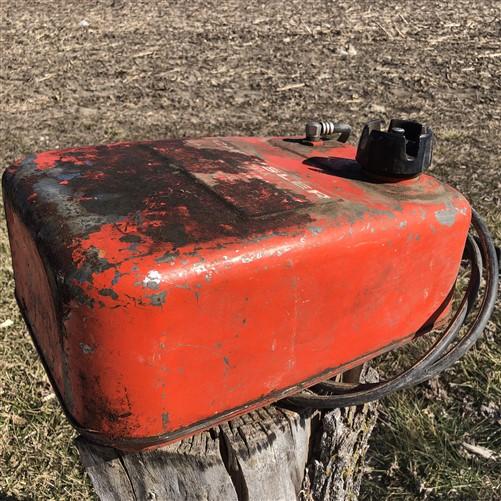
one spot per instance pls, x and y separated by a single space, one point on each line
271 454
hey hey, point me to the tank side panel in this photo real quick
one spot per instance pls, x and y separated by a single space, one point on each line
239 324
35 296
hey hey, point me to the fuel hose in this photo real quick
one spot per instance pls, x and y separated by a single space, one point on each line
480 254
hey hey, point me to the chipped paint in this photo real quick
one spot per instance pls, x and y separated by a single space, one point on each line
108 292
315 230
86 348
165 420
208 263
152 279
116 277
167 257
157 299
446 217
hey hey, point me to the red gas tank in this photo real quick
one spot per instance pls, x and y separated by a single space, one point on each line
171 285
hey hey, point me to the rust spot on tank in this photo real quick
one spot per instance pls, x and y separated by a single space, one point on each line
116 277
96 404
108 292
165 420
86 348
131 238
149 191
157 299
168 257
446 217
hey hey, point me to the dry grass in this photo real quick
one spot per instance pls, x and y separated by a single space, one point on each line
158 69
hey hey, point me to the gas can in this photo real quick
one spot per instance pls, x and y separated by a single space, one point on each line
170 285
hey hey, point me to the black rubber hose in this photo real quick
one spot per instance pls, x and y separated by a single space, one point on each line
362 393
472 253
486 307
440 356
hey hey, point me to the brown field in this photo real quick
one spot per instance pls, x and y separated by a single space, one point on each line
145 70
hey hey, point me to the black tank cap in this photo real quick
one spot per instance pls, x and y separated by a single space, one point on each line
405 150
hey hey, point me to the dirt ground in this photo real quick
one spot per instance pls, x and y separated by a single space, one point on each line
85 72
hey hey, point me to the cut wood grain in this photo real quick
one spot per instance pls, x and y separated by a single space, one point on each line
106 471
271 454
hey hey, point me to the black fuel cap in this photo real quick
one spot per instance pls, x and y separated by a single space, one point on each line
404 150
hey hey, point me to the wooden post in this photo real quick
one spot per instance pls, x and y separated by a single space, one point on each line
271 454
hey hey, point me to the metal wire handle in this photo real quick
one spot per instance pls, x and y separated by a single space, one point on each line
325 129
